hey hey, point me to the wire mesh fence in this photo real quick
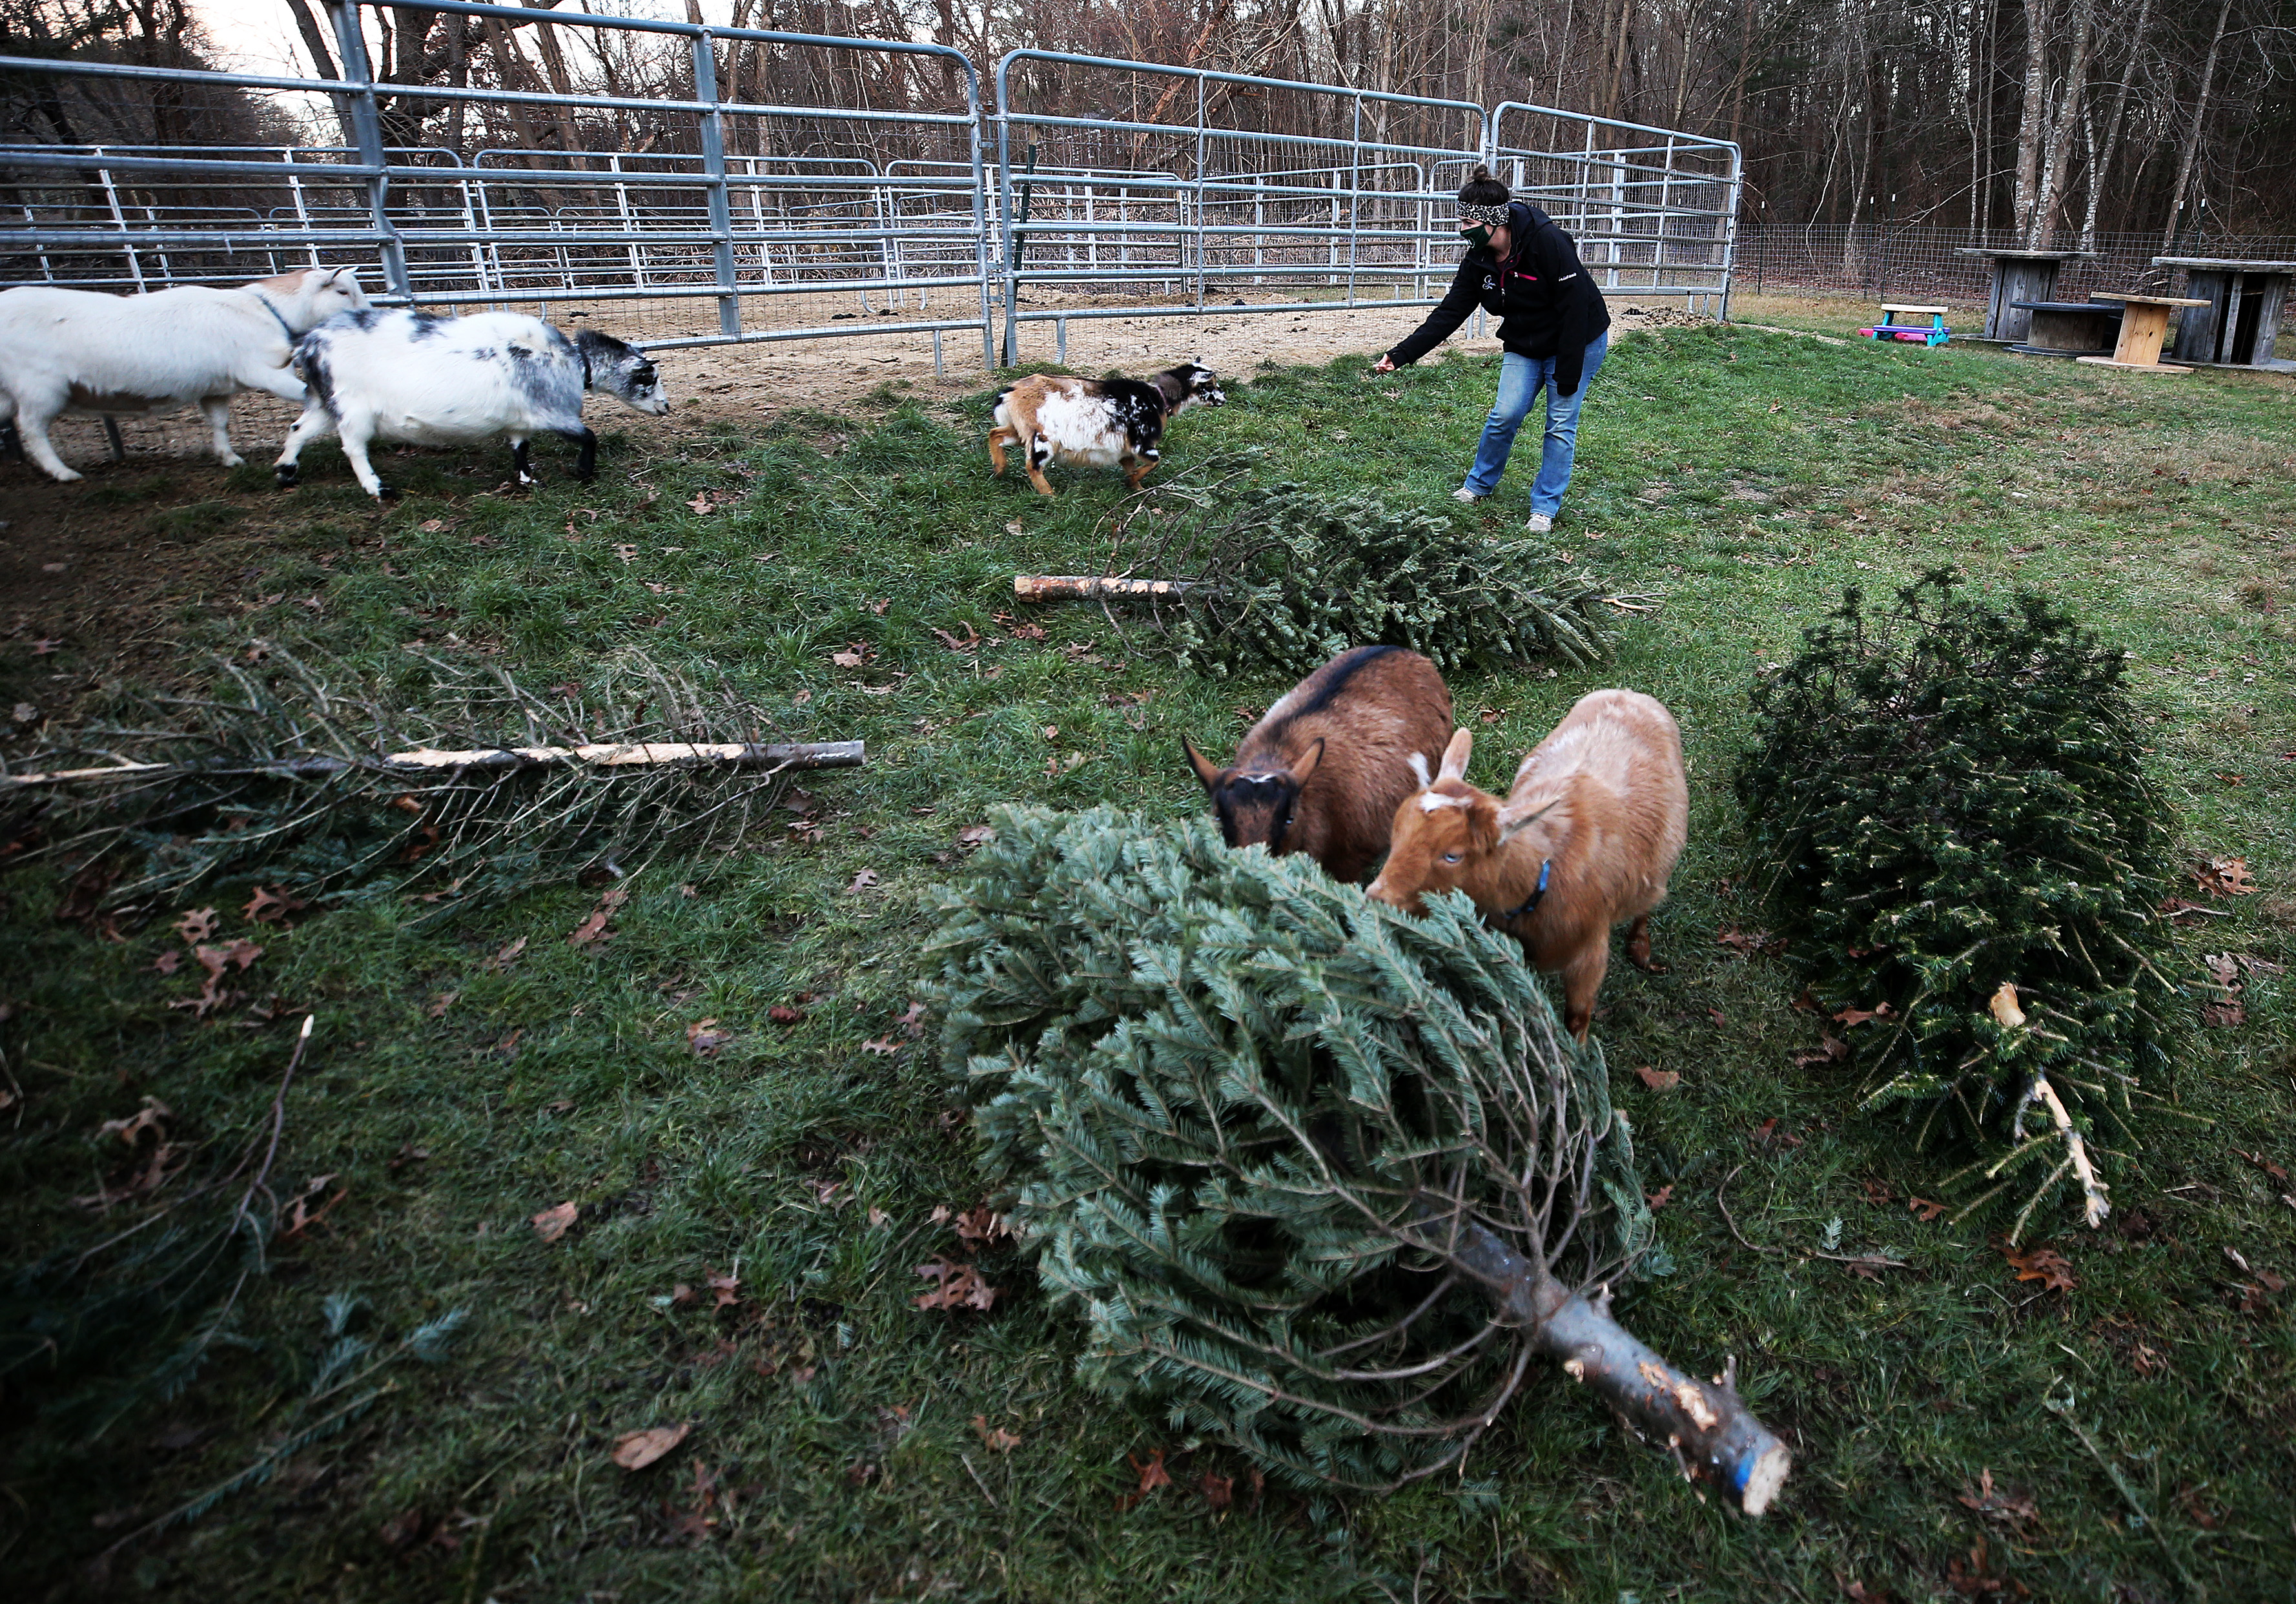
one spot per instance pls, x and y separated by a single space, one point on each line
1934 262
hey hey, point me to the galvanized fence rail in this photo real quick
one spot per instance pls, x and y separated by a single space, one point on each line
753 211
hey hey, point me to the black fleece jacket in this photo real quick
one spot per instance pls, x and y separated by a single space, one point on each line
1546 303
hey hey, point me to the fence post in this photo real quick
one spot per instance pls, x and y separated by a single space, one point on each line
366 129
1730 230
713 165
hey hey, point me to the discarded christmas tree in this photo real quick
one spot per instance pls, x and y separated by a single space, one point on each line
1288 581
1323 1178
301 770
1951 808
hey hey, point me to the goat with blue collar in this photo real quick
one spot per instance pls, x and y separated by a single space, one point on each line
1585 838
76 350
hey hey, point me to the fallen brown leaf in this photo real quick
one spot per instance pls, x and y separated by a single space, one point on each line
1660 1199
981 1225
959 1287
167 962
996 1437
974 835
1219 1491
1152 1474
863 880
1830 1048
197 925
1999 1504
272 906
780 1013
1924 1208
508 956
593 927
2040 1262
1657 1080
728 1290
705 1039
2224 878
636 1449
553 1223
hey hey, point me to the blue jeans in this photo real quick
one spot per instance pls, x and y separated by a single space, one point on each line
1520 379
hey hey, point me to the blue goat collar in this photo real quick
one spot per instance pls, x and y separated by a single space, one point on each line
1539 891
275 317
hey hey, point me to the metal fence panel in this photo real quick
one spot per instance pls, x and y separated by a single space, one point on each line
1655 210
741 185
1131 188
739 203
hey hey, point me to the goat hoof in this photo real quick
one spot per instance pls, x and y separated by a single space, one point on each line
386 492
1648 967
285 475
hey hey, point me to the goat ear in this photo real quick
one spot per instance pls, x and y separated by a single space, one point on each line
1306 765
1510 828
1456 755
1206 772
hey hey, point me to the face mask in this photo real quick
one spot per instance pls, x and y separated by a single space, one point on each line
1479 236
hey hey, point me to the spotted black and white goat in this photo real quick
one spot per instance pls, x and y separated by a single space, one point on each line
75 351
1098 421
420 379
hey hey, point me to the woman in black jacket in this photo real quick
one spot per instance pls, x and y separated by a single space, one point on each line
1524 269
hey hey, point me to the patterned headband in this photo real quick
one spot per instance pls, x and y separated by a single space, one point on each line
1495 216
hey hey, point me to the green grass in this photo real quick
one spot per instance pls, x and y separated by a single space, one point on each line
1748 477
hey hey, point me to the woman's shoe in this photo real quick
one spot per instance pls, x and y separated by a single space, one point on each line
1539 524
1464 493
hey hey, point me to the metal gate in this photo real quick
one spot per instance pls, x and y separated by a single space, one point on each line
1655 210
741 185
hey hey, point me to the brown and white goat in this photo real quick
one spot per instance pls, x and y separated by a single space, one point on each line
1098 421
1586 836
1323 772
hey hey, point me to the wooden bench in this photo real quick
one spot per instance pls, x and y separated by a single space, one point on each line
2070 328
1932 332
2142 327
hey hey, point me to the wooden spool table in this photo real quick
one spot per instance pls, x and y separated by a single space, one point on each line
2070 328
2143 326
2019 276
2245 302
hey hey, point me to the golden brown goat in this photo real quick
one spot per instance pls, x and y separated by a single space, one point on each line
1587 837
1323 772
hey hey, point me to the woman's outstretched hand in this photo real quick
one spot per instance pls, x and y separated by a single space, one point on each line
1385 364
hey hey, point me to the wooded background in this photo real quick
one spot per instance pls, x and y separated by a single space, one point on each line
2036 121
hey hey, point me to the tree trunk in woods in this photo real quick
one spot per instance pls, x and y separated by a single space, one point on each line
2191 153
2032 113
2041 226
2101 164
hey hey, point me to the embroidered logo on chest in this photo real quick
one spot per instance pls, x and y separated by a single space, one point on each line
1489 283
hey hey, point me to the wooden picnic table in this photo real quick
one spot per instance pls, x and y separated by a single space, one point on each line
2018 276
2071 328
2142 325
2245 303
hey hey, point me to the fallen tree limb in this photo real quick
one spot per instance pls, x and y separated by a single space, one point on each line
1065 586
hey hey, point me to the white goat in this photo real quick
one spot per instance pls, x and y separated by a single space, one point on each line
431 380
76 350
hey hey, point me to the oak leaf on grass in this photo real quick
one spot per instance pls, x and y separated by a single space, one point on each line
636 1449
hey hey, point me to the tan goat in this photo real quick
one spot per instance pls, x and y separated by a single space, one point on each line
1323 772
1587 837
